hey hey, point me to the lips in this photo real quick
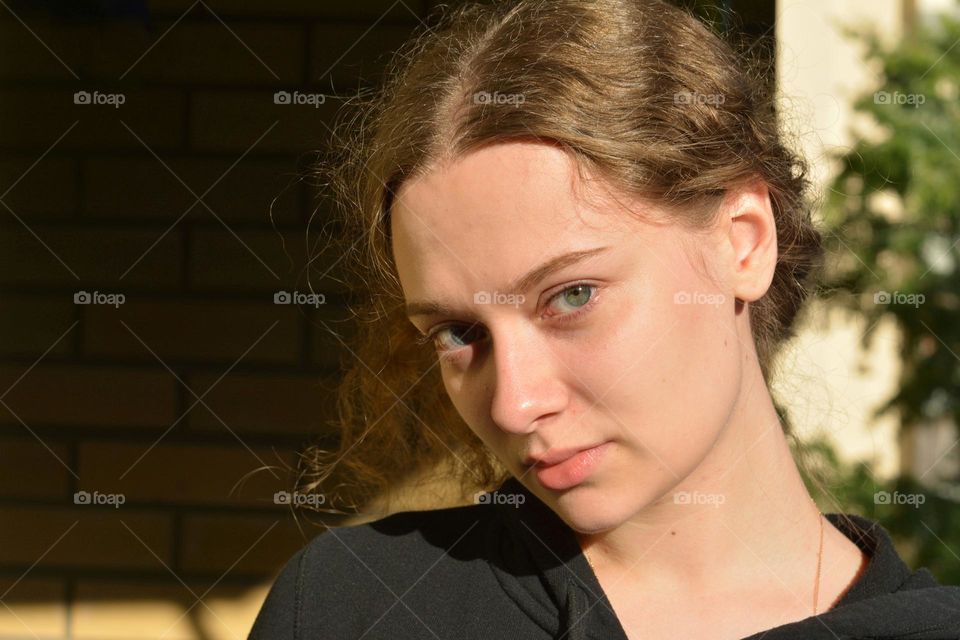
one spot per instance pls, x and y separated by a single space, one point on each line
566 468
553 456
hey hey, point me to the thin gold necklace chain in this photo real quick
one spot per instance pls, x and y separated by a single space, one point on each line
816 582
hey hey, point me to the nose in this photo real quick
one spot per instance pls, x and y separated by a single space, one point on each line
526 382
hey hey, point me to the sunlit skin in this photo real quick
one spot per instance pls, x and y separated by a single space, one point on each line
602 350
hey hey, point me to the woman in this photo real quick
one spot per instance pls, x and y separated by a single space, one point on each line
586 208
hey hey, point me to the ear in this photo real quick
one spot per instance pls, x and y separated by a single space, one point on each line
751 233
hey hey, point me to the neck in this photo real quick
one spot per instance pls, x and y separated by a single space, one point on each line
757 520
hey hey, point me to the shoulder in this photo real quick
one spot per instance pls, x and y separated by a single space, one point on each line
399 546
367 567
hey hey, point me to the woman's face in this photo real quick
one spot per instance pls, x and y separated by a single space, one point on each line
629 343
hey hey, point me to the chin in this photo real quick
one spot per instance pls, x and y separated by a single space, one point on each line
591 510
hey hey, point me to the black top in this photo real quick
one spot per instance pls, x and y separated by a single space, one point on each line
503 570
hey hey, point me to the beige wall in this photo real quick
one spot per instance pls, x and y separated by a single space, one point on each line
820 72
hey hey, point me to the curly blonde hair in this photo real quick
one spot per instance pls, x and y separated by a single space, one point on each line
638 91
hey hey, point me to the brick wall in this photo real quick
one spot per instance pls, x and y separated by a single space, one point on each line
190 398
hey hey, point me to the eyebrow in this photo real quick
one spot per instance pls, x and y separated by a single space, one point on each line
521 284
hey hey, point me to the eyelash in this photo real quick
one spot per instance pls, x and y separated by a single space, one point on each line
561 318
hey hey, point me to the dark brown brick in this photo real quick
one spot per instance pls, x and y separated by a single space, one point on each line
48 189
195 330
33 119
30 325
346 52
232 121
213 543
264 403
26 58
220 261
98 540
141 188
191 51
209 52
186 474
97 256
101 51
73 395
358 9
33 469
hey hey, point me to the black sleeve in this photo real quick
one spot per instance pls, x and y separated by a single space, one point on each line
279 616
359 582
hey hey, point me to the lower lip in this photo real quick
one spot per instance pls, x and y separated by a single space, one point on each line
572 471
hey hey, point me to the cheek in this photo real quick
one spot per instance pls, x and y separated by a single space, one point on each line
670 380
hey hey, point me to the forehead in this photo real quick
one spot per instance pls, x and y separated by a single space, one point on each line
525 184
494 212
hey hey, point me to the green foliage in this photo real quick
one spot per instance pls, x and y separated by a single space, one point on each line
912 256
892 216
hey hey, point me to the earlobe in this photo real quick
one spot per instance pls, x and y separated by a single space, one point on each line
753 238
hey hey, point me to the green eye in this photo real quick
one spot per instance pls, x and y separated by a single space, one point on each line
451 337
577 295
